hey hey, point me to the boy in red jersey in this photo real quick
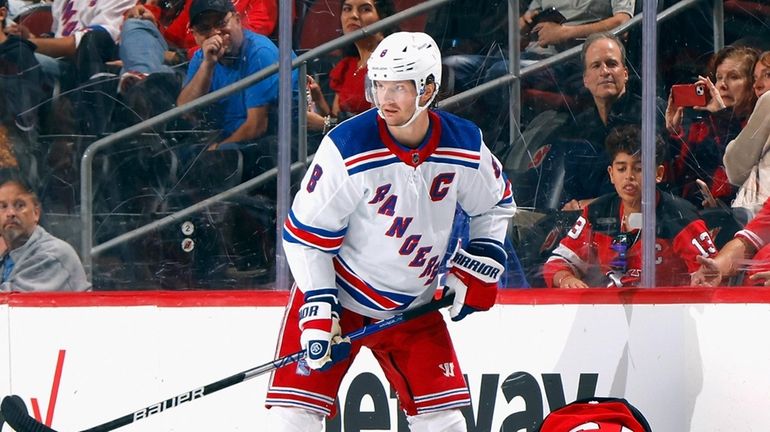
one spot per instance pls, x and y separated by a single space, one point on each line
603 247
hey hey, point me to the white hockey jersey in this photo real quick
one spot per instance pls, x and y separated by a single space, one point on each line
77 17
373 217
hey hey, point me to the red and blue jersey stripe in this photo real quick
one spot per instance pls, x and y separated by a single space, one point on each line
364 293
456 156
295 231
507 193
369 160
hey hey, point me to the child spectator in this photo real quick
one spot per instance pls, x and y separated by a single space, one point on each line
699 142
603 247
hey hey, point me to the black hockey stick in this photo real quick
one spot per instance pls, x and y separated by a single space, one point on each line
17 416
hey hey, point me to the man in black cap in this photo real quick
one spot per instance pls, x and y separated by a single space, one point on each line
228 54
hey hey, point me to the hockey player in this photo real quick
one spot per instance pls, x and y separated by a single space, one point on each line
752 242
365 237
602 247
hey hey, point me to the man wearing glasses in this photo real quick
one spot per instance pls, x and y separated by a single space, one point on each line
228 54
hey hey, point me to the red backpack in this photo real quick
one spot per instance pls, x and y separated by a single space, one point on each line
596 415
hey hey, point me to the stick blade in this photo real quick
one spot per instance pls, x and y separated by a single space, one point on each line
16 415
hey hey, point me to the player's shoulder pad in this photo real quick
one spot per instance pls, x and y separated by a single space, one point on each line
673 214
357 135
604 214
457 132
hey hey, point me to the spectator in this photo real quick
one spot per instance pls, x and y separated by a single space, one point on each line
603 247
20 93
545 38
259 16
228 54
746 160
18 68
79 50
565 152
152 28
33 259
84 32
605 76
751 242
582 19
699 141
347 77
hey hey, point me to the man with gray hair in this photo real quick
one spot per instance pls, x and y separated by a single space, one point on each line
605 76
32 259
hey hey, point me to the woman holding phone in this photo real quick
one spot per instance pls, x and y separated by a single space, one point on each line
699 137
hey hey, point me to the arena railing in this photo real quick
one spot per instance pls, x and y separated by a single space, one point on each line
649 69
88 250
86 164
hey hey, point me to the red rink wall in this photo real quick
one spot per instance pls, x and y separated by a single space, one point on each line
689 359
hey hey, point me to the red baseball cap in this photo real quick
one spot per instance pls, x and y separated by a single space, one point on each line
596 415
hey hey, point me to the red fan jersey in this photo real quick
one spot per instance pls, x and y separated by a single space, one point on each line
587 250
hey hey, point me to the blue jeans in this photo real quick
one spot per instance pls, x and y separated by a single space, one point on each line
52 68
471 70
142 47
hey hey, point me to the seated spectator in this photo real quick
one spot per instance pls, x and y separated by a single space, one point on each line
700 137
228 54
32 259
347 77
17 60
751 243
566 156
604 248
157 33
83 34
747 157
605 76
259 16
582 19
20 93
545 38
78 53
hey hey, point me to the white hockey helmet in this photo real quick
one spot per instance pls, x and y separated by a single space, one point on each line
405 56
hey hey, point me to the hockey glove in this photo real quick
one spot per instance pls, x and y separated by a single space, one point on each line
473 277
319 321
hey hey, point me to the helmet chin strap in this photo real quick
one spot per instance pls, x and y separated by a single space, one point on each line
417 108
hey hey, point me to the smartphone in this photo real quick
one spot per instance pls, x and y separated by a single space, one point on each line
549 15
689 95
